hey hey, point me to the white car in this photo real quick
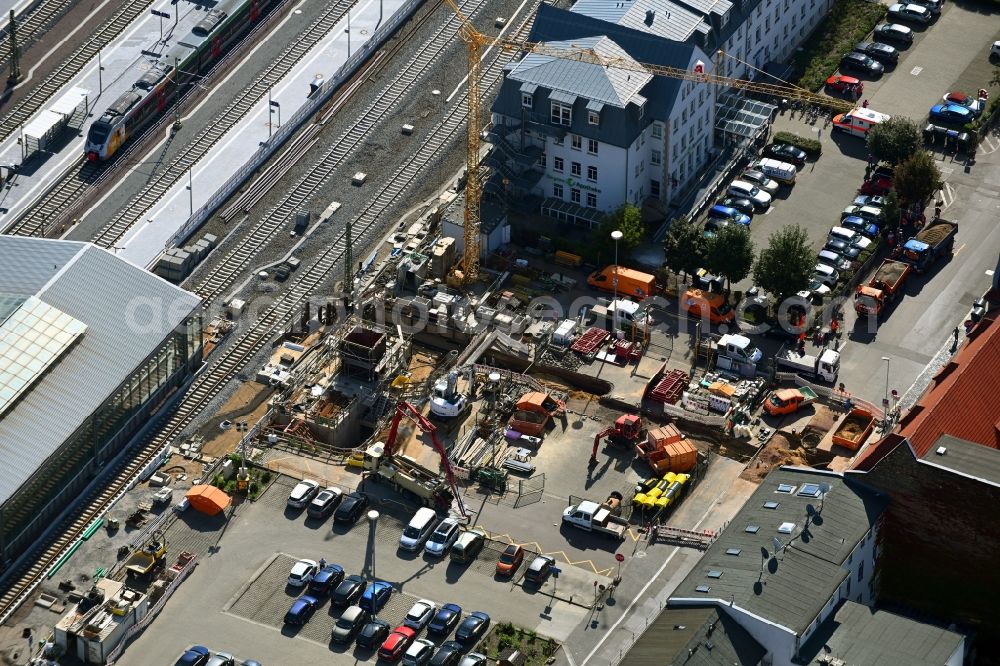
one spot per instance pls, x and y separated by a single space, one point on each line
303 493
827 275
741 188
995 50
443 538
420 614
302 572
419 653
910 12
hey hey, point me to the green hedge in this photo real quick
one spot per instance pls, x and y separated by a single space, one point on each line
848 23
812 147
976 126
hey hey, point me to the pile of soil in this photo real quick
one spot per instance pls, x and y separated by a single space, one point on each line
780 450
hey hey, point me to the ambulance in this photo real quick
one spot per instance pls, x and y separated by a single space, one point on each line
858 121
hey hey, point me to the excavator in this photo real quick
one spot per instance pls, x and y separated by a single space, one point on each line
626 431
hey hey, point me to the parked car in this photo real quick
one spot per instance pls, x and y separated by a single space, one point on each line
744 206
468 546
850 237
420 614
933 6
842 248
954 114
473 627
995 50
419 653
302 609
894 33
884 53
350 622
760 179
448 654
877 184
760 198
348 591
327 579
375 597
910 12
396 644
861 225
196 655
968 101
510 560
302 572
869 213
833 259
474 659
445 619
222 659
859 62
786 153
828 275
373 634
443 537
712 227
865 200
324 503
718 212
539 569
302 493
351 508
845 84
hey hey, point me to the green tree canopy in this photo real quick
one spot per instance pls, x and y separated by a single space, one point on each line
894 140
730 253
628 220
916 178
786 265
684 246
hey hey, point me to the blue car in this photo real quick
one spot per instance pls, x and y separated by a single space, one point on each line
375 597
445 619
196 655
862 226
301 610
327 579
719 212
951 113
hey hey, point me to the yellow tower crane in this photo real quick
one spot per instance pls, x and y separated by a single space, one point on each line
467 269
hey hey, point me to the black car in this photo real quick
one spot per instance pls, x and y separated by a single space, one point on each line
859 62
894 33
373 633
885 54
473 627
846 250
348 591
786 153
448 654
745 206
351 508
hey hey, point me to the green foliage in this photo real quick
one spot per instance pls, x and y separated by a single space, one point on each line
894 140
917 178
975 128
730 253
219 481
230 486
848 23
628 220
786 265
684 247
812 147
265 477
891 211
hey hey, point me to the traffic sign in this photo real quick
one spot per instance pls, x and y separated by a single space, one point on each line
155 12
619 557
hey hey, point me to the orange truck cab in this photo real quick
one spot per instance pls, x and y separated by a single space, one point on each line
632 283
699 303
788 401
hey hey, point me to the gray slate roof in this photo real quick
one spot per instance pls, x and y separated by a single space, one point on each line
965 457
792 588
860 635
694 636
104 292
610 85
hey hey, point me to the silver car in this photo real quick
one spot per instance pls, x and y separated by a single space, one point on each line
443 537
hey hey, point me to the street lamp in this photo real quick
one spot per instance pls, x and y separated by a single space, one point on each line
372 521
885 401
617 236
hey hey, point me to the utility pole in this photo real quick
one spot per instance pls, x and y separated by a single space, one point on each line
15 58
177 97
348 263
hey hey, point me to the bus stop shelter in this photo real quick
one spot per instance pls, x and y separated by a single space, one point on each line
70 110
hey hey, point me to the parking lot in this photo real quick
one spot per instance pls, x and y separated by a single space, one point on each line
236 599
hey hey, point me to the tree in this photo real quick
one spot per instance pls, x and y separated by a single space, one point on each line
684 246
916 178
628 220
894 140
891 212
730 253
786 265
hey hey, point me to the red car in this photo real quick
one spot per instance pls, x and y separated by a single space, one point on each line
845 85
510 560
877 184
396 643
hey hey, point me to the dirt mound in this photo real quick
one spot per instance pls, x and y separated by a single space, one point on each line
781 449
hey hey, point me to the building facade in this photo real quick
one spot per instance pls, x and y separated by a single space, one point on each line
586 137
120 343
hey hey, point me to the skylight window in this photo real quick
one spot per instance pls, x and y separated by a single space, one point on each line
786 488
704 589
770 505
786 528
809 490
734 551
753 529
715 573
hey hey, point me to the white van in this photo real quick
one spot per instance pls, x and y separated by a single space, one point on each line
783 172
421 525
850 237
761 199
859 121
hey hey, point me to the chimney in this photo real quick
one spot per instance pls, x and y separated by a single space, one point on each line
650 13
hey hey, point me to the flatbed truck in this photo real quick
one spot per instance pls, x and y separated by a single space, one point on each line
826 366
932 242
884 288
599 518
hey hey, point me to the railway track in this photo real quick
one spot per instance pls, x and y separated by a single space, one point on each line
213 379
82 177
72 65
32 23
224 272
214 130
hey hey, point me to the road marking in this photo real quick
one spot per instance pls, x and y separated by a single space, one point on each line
916 71
989 273
635 600
537 547
959 250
